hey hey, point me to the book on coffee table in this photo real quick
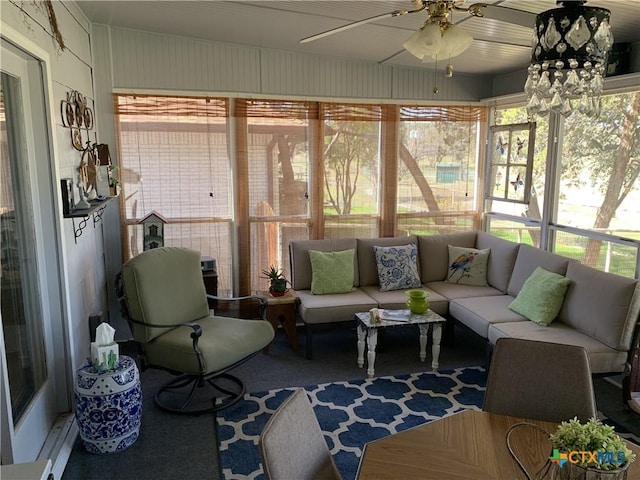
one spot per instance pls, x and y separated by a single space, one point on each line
394 315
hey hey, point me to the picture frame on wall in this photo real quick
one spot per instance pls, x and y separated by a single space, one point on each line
68 204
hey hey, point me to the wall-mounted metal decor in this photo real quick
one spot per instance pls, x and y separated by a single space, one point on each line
78 117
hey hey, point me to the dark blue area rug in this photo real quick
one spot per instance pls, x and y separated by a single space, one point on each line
350 414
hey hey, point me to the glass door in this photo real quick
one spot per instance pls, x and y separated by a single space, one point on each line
27 387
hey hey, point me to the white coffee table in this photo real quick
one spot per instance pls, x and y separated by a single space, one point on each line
368 331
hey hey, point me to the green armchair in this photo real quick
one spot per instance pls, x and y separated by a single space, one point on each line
163 297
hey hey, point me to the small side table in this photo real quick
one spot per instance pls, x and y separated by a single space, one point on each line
368 332
282 310
109 406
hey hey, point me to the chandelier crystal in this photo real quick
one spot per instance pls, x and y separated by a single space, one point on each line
570 49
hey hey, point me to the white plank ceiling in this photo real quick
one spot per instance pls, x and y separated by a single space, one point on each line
498 46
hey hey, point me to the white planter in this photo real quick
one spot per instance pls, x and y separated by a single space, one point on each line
571 471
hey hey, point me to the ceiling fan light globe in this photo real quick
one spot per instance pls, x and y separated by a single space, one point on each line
455 40
424 42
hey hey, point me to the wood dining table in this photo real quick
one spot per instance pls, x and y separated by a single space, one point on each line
464 446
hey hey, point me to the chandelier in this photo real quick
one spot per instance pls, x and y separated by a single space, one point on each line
438 38
570 46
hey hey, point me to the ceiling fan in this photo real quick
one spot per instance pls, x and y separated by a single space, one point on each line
438 37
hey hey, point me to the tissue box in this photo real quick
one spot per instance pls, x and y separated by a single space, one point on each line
104 357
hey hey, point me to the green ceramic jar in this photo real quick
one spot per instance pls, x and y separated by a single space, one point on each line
418 301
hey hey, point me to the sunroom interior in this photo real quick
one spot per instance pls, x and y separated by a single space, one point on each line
242 139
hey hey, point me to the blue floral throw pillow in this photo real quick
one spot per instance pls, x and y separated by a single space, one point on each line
397 267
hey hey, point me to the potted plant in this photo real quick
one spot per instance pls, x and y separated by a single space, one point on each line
589 450
277 281
114 181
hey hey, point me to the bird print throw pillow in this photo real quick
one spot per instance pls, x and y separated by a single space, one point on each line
468 266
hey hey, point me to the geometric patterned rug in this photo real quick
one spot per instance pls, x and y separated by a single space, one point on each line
350 414
354 413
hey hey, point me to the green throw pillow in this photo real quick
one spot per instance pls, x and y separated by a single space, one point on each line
541 296
331 272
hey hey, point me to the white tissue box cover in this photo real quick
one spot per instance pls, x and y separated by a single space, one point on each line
104 357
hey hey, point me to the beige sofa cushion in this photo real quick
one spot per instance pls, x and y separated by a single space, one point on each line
602 305
397 299
451 290
367 266
481 312
301 264
338 307
433 252
602 359
529 258
501 259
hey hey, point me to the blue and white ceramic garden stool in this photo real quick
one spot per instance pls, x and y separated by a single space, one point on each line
109 406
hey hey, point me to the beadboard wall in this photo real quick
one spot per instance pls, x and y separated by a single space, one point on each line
151 61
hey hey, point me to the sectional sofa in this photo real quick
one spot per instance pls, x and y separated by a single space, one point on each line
600 311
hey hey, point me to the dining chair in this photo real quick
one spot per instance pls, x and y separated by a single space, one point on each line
162 295
540 380
292 445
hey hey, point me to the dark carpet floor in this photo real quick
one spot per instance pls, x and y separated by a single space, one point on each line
184 447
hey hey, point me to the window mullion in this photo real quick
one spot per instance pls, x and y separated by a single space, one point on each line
551 181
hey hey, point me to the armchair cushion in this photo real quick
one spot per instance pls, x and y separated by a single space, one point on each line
224 342
178 298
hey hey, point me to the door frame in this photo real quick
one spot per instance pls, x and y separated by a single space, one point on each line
60 438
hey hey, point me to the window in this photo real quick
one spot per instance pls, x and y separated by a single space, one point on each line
277 138
510 216
299 170
599 186
439 151
174 161
351 173
585 203
510 163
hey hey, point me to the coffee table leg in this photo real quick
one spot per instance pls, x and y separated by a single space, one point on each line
436 336
362 334
372 340
424 331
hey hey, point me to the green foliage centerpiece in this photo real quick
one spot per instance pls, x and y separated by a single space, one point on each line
590 450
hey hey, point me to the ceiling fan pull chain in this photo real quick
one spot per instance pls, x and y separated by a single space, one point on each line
435 77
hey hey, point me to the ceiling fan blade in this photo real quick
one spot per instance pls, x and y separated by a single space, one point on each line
503 14
395 13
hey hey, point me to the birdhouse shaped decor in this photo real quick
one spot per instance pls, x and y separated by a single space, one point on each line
153 230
